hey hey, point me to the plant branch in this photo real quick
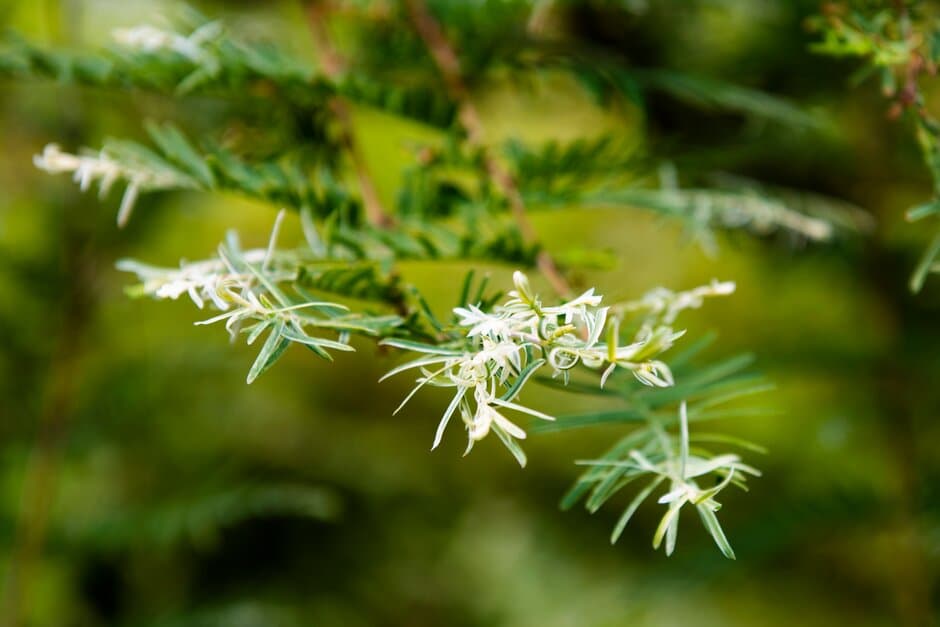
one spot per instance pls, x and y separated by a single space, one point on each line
334 66
41 476
445 57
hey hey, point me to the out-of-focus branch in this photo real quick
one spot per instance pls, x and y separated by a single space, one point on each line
41 477
334 65
445 57
540 16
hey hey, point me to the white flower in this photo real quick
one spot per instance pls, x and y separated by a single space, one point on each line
103 168
666 304
476 376
654 374
502 348
682 470
486 416
482 323
86 169
203 281
150 39
577 308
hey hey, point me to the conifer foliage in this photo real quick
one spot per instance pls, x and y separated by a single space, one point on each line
462 198
898 45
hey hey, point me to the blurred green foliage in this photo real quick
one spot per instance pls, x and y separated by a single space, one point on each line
179 496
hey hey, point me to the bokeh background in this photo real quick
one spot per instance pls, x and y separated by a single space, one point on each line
177 495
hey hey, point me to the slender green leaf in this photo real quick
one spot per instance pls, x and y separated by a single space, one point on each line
521 380
714 528
272 349
641 496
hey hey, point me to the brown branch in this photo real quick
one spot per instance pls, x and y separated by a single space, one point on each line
540 17
910 95
334 66
445 57
41 478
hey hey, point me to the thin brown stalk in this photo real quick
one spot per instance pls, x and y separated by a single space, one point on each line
334 66
448 63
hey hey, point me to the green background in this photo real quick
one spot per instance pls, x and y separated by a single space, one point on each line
159 465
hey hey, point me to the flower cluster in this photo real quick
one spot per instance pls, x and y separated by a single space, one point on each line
104 168
665 305
669 461
150 39
246 286
203 281
498 351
